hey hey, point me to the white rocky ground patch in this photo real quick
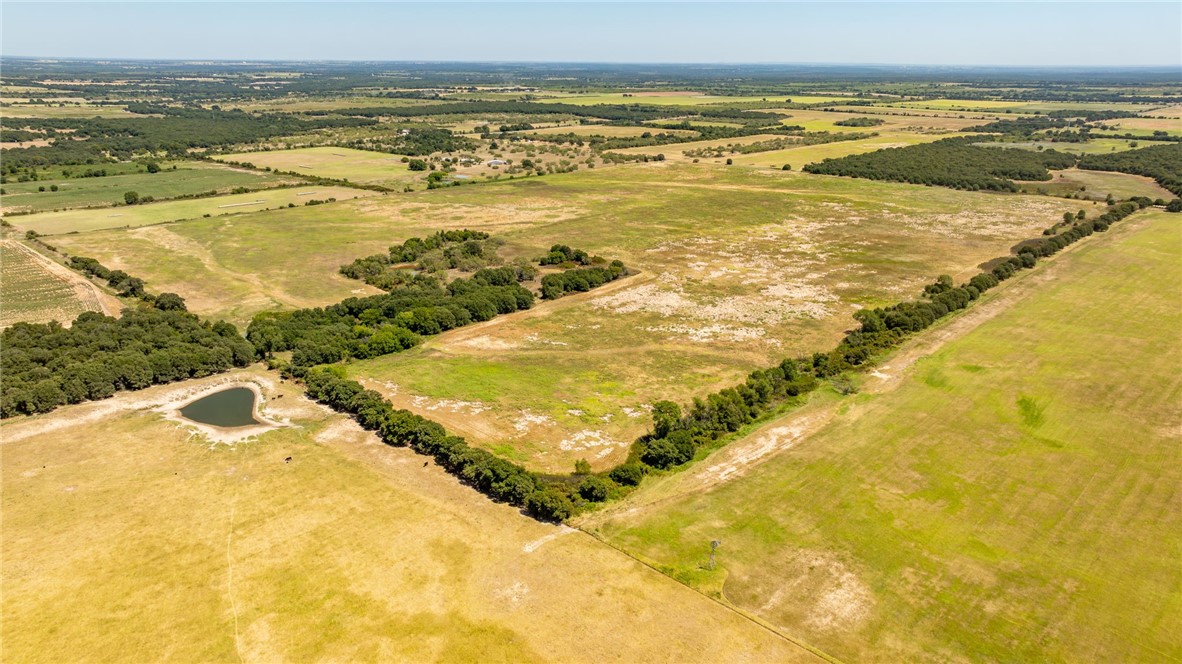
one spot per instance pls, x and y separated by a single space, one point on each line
449 405
590 439
527 420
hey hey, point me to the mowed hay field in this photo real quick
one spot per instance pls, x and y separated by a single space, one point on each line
146 214
127 539
335 163
1015 497
738 269
30 291
189 179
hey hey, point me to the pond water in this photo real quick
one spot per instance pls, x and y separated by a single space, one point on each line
228 408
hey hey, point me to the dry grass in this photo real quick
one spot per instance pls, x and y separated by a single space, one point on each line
126 539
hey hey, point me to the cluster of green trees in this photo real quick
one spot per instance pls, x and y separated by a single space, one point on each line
580 280
415 248
860 122
414 305
381 324
445 250
497 478
47 365
952 162
1163 163
122 283
416 142
561 254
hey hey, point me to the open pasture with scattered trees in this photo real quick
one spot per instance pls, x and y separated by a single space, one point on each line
984 501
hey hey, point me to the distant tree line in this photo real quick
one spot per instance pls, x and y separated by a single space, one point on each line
47 365
99 140
629 113
952 162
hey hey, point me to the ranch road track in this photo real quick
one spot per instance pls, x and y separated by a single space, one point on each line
91 296
782 434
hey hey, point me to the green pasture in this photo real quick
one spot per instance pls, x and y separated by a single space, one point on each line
145 214
335 163
1014 499
189 179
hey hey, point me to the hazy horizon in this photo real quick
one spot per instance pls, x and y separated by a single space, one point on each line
957 34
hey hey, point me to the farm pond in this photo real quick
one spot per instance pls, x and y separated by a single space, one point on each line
233 407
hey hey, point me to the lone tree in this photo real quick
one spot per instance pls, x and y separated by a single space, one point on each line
131 198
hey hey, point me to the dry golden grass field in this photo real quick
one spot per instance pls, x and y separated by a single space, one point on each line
126 538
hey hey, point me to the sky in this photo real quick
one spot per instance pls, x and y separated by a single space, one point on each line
1090 34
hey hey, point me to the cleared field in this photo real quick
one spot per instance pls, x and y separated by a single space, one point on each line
807 154
1011 496
610 131
335 163
1097 185
816 120
126 539
131 216
739 269
1174 111
188 179
1094 146
1172 126
32 292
